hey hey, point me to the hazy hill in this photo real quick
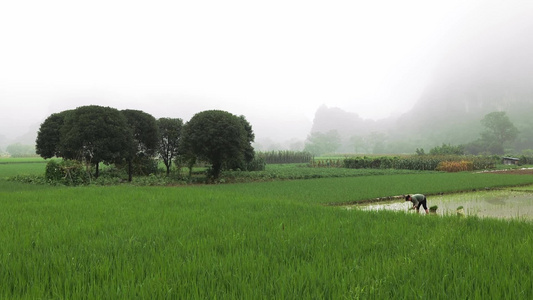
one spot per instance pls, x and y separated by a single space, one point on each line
346 123
491 71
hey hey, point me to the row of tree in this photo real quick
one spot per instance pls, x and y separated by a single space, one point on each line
19 150
497 136
499 132
130 138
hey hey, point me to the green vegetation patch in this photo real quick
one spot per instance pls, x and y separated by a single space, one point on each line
256 240
303 171
18 160
11 168
221 242
344 190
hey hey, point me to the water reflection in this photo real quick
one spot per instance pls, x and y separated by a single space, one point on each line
497 204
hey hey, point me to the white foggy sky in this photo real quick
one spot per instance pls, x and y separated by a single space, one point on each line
273 61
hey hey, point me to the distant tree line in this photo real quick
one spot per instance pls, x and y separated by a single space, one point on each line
499 136
133 140
20 150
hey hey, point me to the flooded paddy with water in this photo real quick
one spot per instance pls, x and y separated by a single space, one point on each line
503 203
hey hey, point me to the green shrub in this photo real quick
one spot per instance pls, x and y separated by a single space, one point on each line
525 160
53 171
447 150
485 162
257 164
67 172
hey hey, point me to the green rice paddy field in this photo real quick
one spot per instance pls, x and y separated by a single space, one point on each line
267 240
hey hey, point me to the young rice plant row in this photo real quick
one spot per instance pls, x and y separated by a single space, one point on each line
271 240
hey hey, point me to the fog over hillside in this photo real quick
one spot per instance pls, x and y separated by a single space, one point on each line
493 70
489 70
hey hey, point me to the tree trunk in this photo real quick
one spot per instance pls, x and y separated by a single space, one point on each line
97 170
216 167
130 167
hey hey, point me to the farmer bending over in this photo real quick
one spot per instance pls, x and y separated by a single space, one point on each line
418 199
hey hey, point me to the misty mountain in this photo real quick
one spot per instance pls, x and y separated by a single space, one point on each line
350 126
346 123
25 139
491 71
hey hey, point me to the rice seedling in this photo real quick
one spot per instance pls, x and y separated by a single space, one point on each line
263 240
12 167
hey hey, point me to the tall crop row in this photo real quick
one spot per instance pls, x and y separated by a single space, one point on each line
455 166
285 157
327 163
422 162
